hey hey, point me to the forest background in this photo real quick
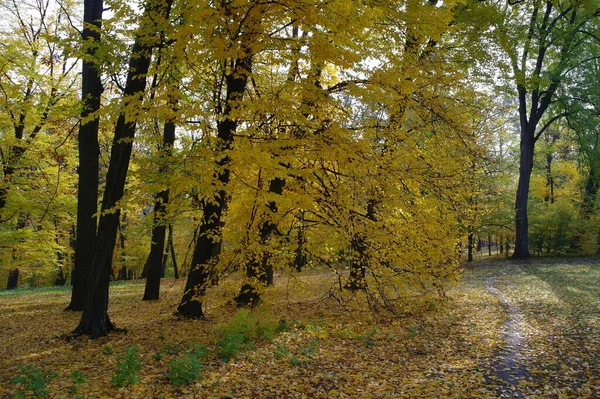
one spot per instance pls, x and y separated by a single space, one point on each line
380 140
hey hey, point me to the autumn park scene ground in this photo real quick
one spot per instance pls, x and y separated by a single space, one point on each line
506 330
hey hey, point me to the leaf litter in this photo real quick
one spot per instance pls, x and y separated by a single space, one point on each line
532 330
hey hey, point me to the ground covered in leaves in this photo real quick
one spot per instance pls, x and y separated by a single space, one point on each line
506 330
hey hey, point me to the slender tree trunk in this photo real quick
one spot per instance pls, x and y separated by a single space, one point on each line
95 321
470 245
89 151
590 195
156 263
300 255
549 197
209 235
171 247
259 272
122 273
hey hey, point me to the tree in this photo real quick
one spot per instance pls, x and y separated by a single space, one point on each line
543 41
37 110
157 257
95 321
89 151
243 23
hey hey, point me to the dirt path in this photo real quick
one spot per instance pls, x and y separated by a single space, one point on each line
509 364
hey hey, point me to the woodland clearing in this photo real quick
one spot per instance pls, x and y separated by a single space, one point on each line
539 319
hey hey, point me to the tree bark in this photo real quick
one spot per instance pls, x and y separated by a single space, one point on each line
89 152
95 321
13 279
359 246
259 272
171 247
470 244
156 259
521 250
209 234
300 259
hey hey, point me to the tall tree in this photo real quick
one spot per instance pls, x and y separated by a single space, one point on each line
544 40
156 258
89 151
241 27
95 321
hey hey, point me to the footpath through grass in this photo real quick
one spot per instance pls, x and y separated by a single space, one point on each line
304 344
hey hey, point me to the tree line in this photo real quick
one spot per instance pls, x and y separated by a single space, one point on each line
366 137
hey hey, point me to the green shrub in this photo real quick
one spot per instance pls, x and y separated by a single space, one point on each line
281 351
242 332
128 367
185 370
77 378
31 382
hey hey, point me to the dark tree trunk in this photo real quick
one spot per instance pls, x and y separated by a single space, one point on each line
146 265
209 234
122 274
489 245
521 219
300 259
89 151
60 279
259 272
360 259
358 267
171 247
95 321
13 279
591 192
549 197
157 258
470 244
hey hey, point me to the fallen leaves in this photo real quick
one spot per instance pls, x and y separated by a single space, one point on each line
326 351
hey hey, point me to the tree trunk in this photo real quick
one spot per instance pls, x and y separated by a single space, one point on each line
155 262
155 258
122 273
358 267
549 197
259 272
95 321
209 237
89 152
591 192
360 259
521 250
470 244
13 279
300 255
171 247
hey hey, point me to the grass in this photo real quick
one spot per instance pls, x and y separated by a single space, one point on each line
325 350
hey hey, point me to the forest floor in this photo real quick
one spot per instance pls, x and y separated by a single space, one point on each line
529 330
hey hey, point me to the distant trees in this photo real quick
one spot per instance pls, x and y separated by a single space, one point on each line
38 110
544 42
